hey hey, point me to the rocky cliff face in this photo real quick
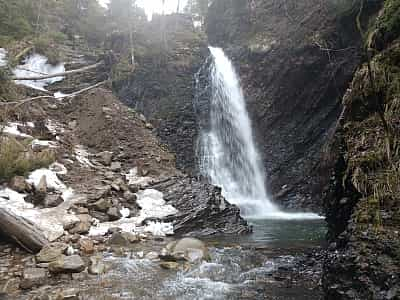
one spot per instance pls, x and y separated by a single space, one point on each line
162 86
362 206
295 59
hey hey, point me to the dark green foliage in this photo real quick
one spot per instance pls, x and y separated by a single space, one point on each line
16 18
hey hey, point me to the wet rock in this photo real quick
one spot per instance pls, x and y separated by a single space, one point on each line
119 239
102 217
11 286
52 200
97 266
192 250
115 166
101 205
86 246
100 192
80 228
33 277
51 252
105 157
130 197
67 264
68 294
152 255
202 209
20 185
169 265
114 214
41 188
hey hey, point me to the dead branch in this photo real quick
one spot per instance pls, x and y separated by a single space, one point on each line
21 102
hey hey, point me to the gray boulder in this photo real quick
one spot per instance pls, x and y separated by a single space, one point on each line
67 264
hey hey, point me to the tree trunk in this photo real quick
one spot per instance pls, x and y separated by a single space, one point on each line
21 231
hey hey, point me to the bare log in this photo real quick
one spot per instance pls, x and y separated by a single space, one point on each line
21 231
80 70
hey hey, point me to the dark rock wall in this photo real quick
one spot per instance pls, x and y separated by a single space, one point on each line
162 86
295 59
362 206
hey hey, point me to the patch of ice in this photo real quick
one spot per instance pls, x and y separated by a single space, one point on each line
134 179
3 57
12 129
82 156
35 65
41 143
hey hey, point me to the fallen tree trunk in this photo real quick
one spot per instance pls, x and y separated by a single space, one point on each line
80 70
21 231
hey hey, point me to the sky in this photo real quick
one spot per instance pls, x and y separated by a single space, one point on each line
155 6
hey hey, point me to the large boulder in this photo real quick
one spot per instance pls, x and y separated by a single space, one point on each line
190 249
51 252
67 264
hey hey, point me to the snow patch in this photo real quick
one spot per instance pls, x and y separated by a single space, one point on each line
159 228
153 206
12 129
40 143
35 65
52 179
50 220
134 179
3 57
82 156
54 127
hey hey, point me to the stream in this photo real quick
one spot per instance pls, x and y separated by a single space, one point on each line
277 261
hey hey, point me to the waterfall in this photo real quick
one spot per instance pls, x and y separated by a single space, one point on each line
227 153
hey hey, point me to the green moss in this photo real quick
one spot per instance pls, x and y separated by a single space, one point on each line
389 21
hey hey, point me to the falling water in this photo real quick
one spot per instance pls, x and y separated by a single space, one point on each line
227 151
228 155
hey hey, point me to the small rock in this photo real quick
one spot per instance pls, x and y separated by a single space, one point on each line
193 250
105 157
67 264
101 205
169 265
130 197
51 252
68 294
152 255
80 228
33 277
115 166
86 246
114 214
42 186
20 185
118 239
96 267
52 200
149 126
102 217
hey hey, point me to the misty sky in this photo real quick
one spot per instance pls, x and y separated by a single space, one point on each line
155 6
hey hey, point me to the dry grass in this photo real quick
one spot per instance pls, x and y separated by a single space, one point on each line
17 158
